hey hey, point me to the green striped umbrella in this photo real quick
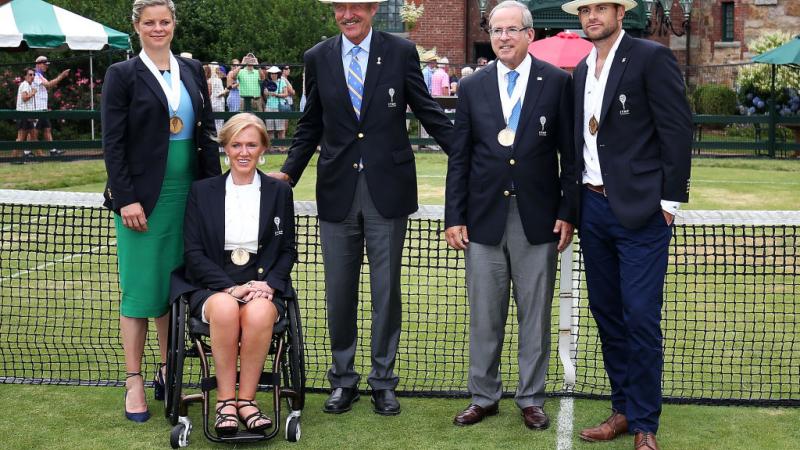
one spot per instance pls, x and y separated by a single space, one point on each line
42 25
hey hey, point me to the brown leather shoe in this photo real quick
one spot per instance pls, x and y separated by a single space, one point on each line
474 414
645 441
612 427
535 418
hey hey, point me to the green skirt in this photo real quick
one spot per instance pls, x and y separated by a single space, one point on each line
146 259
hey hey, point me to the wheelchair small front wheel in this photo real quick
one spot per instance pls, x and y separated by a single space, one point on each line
293 428
179 436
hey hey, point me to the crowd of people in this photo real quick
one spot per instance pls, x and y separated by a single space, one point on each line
533 154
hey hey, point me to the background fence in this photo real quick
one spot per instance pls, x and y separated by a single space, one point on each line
731 305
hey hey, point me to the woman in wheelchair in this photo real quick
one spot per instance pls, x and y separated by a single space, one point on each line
239 250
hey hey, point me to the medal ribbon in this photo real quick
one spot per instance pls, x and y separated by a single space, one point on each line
514 96
173 93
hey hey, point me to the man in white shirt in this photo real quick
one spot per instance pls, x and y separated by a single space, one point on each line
633 138
40 86
510 203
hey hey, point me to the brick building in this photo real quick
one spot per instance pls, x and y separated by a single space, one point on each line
719 29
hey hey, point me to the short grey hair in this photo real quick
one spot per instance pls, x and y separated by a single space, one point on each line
140 5
527 17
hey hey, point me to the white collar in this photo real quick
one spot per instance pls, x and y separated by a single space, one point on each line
255 184
523 67
347 45
591 60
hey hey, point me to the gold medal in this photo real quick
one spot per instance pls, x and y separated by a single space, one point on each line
175 125
593 125
240 256
506 137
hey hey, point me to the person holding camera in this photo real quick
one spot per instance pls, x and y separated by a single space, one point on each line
275 92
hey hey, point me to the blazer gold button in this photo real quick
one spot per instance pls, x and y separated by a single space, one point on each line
199 149
260 270
506 193
512 162
360 135
355 165
199 124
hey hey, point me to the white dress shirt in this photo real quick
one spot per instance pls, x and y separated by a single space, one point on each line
242 211
524 70
593 92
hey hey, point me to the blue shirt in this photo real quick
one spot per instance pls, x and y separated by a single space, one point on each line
185 111
363 55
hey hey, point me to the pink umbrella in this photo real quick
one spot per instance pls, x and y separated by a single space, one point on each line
563 50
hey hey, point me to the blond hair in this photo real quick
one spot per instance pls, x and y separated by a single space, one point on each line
237 124
140 5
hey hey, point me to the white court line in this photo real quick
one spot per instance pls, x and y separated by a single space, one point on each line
781 183
54 262
565 419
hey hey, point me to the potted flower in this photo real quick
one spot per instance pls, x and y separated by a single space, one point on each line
410 14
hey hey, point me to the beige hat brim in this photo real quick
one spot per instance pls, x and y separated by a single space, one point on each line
573 6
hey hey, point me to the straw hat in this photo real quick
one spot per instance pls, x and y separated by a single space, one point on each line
443 61
573 6
274 69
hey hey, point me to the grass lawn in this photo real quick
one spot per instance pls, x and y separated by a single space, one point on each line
738 184
57 417
79 279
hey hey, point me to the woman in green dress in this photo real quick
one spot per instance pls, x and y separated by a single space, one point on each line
158 137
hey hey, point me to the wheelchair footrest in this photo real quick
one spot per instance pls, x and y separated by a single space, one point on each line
266 379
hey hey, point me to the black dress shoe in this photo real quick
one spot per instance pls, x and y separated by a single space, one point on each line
341 400
385 402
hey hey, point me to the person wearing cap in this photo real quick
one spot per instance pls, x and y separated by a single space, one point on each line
40 86
633 138
440 80
429 69
249 79
510 203
274 90
358 85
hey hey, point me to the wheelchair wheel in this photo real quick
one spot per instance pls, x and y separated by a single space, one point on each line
176 353
293 428
179 436
294 370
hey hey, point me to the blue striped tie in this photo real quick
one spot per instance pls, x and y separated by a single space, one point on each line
513 120
355 82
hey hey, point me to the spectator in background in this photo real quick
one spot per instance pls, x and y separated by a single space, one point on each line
250 84
26 129
465 72
275 91
40 86
427 71
232 87
215 92
482 61
289 88
453 80
440 81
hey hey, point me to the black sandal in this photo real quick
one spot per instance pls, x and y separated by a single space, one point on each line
227 430
250 420
159 386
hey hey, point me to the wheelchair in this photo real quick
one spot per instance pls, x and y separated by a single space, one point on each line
189 337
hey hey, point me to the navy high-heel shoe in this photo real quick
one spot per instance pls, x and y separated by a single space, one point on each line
135 416
159 386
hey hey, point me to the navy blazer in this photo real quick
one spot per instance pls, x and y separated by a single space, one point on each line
204 237
540 163
135 117
645 145
379 139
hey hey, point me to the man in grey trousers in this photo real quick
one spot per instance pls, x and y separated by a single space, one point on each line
510 204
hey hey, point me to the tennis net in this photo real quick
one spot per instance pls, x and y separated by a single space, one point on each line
730 314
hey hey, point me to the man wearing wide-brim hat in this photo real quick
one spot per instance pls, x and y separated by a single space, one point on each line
358 85
633 139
